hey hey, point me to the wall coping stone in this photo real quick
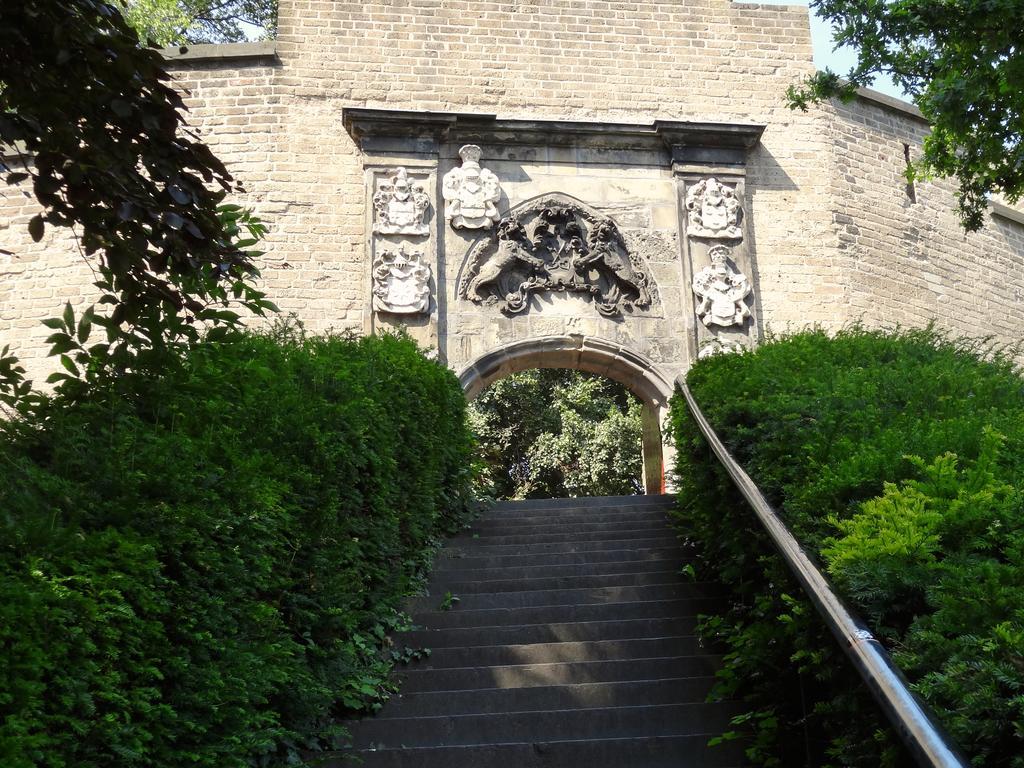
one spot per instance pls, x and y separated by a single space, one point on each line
216 52
891 102
1006 212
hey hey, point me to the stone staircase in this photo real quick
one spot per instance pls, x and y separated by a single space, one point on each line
561 635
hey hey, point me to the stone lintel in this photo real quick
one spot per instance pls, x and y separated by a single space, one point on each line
728 142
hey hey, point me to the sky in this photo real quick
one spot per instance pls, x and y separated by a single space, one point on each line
838 61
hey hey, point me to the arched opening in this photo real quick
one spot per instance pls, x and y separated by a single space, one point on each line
638 374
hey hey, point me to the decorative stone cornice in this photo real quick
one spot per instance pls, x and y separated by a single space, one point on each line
387 129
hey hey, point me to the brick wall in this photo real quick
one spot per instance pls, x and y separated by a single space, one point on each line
902 253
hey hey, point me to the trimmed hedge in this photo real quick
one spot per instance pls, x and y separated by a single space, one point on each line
200 569
897 459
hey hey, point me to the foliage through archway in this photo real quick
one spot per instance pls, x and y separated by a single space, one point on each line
548 433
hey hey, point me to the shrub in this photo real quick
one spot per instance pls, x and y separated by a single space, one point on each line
199 568
896 459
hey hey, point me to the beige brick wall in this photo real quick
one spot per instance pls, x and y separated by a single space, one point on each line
906 260
819 187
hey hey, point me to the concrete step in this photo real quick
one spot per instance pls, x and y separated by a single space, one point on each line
616 629
641 752
453 582
679 690
608 532
476 548
673 589
416 678
607 722
453 560
548 653
532 572
459 616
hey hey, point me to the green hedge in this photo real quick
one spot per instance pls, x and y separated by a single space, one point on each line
897 459
199 569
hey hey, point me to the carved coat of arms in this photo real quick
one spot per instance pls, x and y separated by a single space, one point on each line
555 244
721 291
400 206
401 282
712 210
471 193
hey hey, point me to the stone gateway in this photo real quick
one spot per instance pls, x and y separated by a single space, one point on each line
614 187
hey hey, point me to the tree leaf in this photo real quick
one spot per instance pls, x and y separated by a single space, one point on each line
85 325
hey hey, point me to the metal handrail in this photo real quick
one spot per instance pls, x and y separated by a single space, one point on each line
911 718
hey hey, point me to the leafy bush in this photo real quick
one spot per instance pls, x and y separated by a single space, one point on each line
897 459
199 568
550 432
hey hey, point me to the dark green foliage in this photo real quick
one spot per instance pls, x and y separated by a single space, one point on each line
199 568
898 460
553 432
960 62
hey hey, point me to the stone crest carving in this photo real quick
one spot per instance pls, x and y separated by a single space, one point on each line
401 206
719 347
721 291
713 210
401 282
555 244
471 193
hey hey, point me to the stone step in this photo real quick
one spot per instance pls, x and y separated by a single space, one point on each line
459 616
609 532
549 653
531 572
679 690
581 502
454 582
641 752
616 629
416 678
674 589
512 525
451 560
606 722
474 547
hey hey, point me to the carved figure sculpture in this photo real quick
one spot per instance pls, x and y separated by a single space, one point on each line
471 193
401 282
401 206
713 210
514 250
721 291
555 244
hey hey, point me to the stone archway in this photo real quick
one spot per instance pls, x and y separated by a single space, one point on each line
593 355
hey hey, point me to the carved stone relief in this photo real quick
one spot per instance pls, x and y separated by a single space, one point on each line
401 206
471 193
721 291
720 347
401 282
712 210
555 244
